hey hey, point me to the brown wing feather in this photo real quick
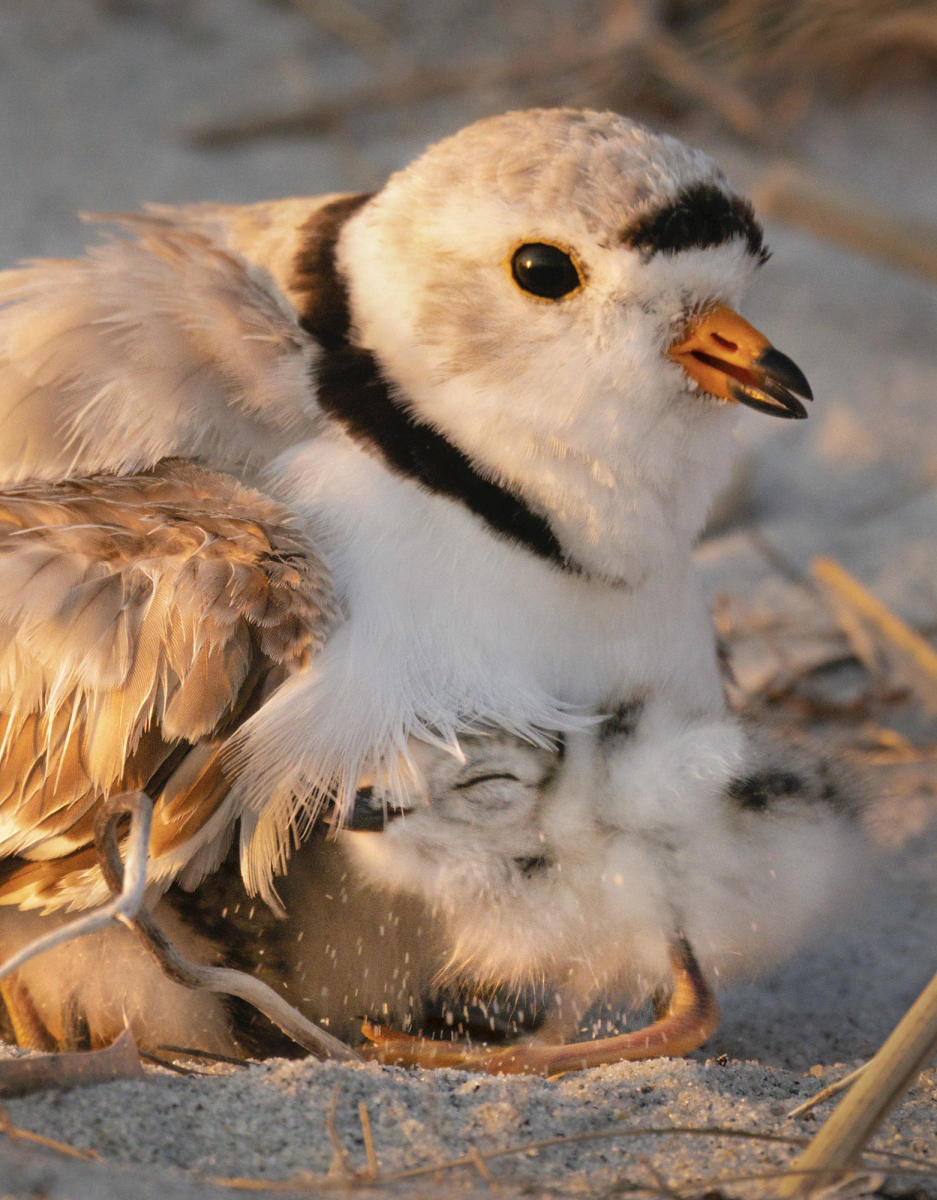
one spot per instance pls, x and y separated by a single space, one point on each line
141 619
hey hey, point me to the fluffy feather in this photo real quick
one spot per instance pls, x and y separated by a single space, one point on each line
138 618
576 880
154 344
86 992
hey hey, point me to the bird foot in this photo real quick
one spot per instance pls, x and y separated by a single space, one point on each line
691 1017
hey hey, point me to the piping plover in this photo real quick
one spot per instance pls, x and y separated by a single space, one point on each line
497 395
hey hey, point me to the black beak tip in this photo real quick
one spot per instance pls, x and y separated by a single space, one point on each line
781 369
770 398
369 813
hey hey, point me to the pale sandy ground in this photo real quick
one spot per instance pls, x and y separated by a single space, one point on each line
93 102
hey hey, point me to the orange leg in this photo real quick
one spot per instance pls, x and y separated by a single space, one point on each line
27 1026
690 1018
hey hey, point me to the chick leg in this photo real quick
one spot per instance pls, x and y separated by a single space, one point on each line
690 1018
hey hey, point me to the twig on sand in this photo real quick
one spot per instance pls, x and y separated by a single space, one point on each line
828 1092
38 1072
475 1155
365 1118
880 1086
341 1163
8 1129
660 1183
906 1164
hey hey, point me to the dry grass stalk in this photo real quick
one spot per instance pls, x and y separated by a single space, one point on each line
876 634
161 1060
881 1084
208 1056
827 1093
906 1164
341 1163
24 1135
365 1118
475 1155
661 1185
791 195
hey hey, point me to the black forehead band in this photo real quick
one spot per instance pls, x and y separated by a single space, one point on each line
699 216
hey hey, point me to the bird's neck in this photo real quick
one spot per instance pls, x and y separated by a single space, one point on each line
606 501
352 389
622 507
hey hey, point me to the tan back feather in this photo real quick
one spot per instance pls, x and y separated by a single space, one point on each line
159 342
142 618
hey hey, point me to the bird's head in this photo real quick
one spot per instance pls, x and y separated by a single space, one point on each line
554 235
554 292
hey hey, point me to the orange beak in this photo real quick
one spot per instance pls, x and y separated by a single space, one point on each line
730 359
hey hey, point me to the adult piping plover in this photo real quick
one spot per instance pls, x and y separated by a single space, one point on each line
495 394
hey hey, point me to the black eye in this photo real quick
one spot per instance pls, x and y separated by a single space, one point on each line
544 270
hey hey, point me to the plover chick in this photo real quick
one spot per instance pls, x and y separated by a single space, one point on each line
654 860
541 891
664 856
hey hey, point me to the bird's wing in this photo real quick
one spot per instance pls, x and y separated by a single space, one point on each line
177 337
142 619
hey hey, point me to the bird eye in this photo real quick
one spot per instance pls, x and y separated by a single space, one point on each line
545 270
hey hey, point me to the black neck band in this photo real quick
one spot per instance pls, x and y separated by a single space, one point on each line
351 388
